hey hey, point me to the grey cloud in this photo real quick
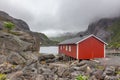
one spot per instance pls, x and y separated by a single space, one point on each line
59 16
83 12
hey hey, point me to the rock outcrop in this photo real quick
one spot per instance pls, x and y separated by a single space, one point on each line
102 28
19 47
19 24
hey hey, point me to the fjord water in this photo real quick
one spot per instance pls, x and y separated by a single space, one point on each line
49 49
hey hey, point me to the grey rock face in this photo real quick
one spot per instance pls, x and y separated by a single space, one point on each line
14 43
16 59
20 25
2 59
99 28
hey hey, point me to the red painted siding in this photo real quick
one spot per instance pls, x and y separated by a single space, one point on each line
71 53
90 48
87 49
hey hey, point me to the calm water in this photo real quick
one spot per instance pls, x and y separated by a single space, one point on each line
49 50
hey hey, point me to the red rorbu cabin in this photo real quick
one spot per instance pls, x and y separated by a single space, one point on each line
86 47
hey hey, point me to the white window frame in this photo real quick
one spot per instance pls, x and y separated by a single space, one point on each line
66 47
61 47
69 48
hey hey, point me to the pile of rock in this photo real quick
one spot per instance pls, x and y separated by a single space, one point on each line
60 70
110 73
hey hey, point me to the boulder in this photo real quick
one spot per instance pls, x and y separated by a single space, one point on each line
98 74
63 72
109 73
82 66
93 78
29 70
2 59
11 42
110 70
40 77
50 56
6 68
15 76
82 63
111 78
46 57
60 57
16 59
29 55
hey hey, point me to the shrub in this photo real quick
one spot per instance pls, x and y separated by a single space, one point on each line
82 77
9 25
3 77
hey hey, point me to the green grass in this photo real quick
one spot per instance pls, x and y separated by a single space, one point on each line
82 77
3 77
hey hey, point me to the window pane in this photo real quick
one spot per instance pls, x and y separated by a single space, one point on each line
69 48
61 47
66 48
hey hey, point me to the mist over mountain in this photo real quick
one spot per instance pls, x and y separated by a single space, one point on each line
54 17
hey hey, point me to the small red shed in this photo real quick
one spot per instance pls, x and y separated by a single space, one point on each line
86 47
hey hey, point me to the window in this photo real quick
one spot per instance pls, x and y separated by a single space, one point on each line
61 47
70 48
66 48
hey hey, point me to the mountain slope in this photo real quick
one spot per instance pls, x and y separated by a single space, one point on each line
63 37
19 24
106 29
44 40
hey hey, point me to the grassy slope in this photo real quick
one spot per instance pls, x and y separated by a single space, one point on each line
115 38
45 41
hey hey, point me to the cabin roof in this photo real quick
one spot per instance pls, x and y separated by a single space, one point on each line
76 40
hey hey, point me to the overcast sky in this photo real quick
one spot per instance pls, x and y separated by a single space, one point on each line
57 16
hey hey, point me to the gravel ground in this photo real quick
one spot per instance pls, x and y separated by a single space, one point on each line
111 60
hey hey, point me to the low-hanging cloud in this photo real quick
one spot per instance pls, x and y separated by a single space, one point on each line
58 16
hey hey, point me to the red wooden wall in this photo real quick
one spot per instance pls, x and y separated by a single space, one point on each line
71 53
91 48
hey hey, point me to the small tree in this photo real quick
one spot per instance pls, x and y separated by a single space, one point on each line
9 25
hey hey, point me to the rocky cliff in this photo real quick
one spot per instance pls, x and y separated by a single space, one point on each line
19 24
19 36
18 47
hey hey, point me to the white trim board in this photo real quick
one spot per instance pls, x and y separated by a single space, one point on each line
77 51
91 36
104 51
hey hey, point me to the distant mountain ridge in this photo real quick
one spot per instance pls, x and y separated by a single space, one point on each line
100 28
63 37
108 29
